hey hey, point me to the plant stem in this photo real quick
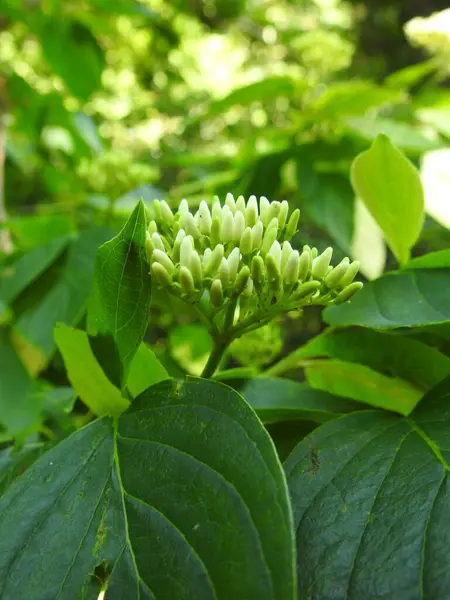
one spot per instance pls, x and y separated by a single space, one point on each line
220 345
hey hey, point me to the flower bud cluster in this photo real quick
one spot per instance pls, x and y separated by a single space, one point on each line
241 251
432 33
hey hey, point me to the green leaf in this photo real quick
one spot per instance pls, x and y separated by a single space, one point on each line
433 260
37 230
182 497
276 400
14 462
145 371
20 409
390 187
368 244
120 300
411 75
86 375
190 346
27 269
66 300
352 380
370 495
405 299
392 354
80 48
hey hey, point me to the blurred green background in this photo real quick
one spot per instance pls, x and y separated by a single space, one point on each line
103 102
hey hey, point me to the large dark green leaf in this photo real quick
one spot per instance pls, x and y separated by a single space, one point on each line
14 462
406 299
371 497
66 300
118 313
181 498
75 55
285 400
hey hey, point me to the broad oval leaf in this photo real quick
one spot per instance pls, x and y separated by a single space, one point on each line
275 399
390 187
120 301
371 496
403 299
182 498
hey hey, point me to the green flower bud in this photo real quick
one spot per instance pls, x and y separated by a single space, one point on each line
239 225
164 260
196 267
245 244
269 237
233 263
291 270
152 227
186 281
229 201
206 256
321 263
166 212
352 271
291 227
157 241
189 225
240 204
177 244
264 206
226 227
186 249
216 210
348 292
285 254
306 289
248 291
273 224
273 273
205 219
241 281
156 206
334 277
216 293
183 207
215 231
257 235
214 260
282 215
314 253
258 273
149 247
251 212
224 273
304 264
274 211
275 251
161 275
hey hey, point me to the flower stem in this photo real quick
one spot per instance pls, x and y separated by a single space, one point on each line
220 345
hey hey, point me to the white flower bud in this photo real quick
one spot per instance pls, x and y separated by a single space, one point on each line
229 201
245 243
224 273
282 215
196 267
264 206
164 260
269 237
239 225
166 212
214 261
274 210
291 270
156 206
186 249
216 293
321 263
251 212
275 251
226 227
351 273
305 264
233 263
157 241
333 277
216 210
149 247
186 281
177 244
205 219
152 227
273 224
161 275
206 256
183 207
348 292
240 204
189 225
257 235
285 254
